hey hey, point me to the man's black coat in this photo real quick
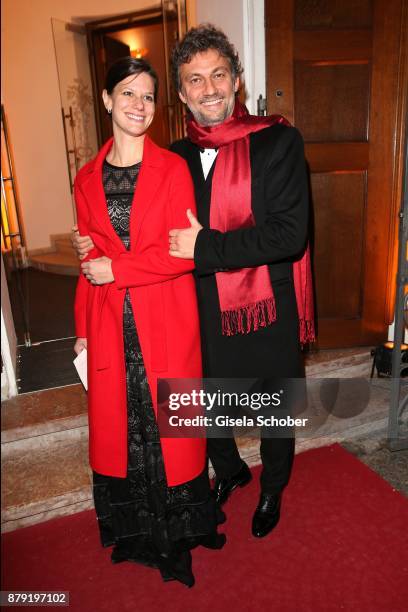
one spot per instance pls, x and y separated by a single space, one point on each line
279 190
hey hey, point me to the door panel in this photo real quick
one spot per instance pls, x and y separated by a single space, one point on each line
340 93
332 14
75 86
340 46
341 196
332 70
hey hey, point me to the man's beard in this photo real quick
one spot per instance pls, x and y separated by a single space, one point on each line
206 121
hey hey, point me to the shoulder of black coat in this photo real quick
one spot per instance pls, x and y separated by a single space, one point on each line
180 146
277 135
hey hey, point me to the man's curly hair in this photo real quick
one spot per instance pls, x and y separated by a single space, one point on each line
197 40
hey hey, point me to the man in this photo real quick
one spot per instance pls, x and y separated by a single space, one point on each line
252 200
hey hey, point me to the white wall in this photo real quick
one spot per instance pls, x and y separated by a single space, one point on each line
254 51
226 14
32 104
243 23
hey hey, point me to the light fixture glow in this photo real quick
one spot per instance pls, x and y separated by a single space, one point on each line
138 53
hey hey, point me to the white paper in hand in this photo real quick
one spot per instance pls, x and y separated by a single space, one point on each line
80 362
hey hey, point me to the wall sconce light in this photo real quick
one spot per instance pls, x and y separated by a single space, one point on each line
139 53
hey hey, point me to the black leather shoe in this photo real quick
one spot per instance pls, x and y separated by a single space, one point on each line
267 514
225 486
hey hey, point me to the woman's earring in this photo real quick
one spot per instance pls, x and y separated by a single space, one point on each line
109 111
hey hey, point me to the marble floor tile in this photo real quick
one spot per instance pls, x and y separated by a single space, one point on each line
40 407
29 478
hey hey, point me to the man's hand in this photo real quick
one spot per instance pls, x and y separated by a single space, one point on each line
81 244
98 271
80 345
182 241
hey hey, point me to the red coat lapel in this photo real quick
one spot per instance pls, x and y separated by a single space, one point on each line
148 183
93 188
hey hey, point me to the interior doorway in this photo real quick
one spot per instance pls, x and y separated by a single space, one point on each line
85 52
149 35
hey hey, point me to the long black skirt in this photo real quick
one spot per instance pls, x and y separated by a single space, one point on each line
140 516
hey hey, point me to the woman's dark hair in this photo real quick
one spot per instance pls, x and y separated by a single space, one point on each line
205 36
125 67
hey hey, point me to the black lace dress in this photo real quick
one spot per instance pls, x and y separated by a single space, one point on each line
145 520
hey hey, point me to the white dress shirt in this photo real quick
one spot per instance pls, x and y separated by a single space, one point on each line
207 159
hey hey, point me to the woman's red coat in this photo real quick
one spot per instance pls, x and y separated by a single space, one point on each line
163 299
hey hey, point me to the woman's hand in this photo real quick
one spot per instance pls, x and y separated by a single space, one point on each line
98 271
81 244
80 345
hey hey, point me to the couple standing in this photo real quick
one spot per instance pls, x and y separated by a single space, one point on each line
136 302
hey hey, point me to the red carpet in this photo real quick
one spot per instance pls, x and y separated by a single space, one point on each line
342 544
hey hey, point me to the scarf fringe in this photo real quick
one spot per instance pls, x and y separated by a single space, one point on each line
260 314
248 318
306 331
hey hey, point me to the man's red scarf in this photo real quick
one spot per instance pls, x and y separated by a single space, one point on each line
246 295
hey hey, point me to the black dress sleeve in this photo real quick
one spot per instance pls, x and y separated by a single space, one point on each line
283 233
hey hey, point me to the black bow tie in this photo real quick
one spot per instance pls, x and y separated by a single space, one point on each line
202 150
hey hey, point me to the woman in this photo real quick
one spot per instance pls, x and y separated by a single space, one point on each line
136 314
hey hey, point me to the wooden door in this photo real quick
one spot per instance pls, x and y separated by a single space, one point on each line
334 70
